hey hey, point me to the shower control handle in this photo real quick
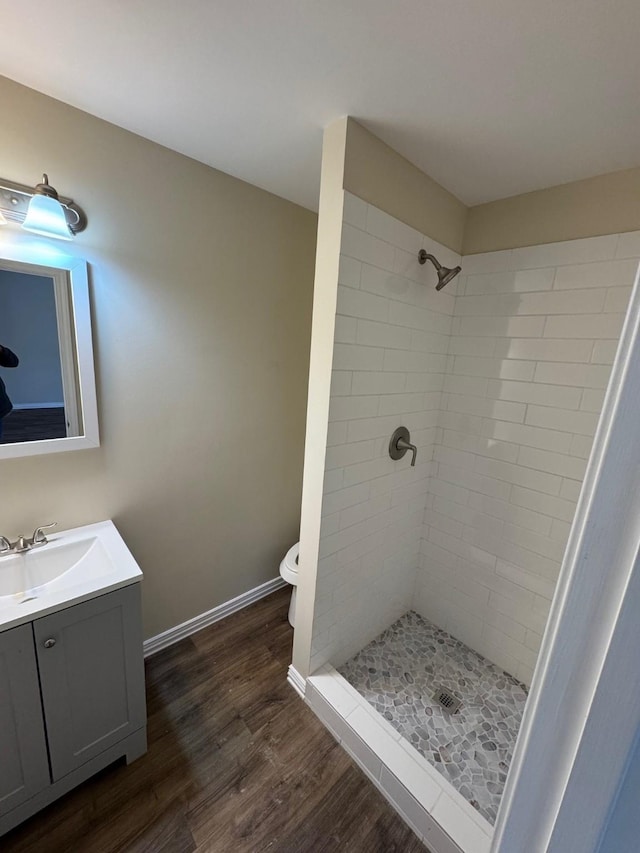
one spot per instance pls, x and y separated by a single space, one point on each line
400 443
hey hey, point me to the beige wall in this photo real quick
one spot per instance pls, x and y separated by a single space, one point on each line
325 296
201 298
606 204
379 175
376 173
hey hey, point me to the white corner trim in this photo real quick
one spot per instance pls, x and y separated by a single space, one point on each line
179 632
298 683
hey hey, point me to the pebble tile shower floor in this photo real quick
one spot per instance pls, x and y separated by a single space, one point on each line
399 672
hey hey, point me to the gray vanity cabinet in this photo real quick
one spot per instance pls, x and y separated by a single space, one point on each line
92 677
72 700
24 769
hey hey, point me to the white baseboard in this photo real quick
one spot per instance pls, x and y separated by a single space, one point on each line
179 632
298 683
20 406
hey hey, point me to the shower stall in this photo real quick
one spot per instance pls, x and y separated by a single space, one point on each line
434 580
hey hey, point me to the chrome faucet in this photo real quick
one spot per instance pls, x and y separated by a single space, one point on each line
22 543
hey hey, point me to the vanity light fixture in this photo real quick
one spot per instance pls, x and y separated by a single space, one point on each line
45 214
40 209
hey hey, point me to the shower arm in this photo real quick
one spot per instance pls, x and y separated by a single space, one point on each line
424 256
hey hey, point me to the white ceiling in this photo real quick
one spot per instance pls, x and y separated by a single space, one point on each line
490 97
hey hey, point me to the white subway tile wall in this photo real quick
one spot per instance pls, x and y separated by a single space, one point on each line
500 379
533 337
390 354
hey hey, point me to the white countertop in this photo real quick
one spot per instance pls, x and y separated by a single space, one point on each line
105 564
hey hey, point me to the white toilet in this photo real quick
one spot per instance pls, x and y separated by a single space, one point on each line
289 573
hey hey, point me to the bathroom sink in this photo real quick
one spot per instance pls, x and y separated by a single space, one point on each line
73 566
23 574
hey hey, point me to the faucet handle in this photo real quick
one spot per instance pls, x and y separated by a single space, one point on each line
400 443
403 444
38 537
5 545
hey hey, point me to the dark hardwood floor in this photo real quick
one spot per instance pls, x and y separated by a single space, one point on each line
33 425
236 764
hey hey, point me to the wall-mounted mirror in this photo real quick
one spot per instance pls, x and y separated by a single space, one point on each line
47 385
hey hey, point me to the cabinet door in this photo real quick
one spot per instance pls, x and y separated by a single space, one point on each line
92 676
24 767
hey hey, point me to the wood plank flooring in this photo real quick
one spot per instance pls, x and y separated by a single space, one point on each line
236 764
33 425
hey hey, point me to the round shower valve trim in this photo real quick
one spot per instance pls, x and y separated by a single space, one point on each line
400 443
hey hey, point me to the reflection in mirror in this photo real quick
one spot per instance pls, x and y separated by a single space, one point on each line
37 400
47 385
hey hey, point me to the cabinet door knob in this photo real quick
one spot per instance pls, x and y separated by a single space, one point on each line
49 644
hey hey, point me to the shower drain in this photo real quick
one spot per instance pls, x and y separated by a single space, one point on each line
447 700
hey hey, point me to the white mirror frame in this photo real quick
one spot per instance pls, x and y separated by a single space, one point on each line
36 254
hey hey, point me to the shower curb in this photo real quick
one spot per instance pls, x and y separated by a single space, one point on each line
425 800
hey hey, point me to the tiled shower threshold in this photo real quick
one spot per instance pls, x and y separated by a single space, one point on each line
430 805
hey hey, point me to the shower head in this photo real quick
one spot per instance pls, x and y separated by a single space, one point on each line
445 274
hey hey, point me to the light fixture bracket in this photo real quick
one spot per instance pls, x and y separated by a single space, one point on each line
15 198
